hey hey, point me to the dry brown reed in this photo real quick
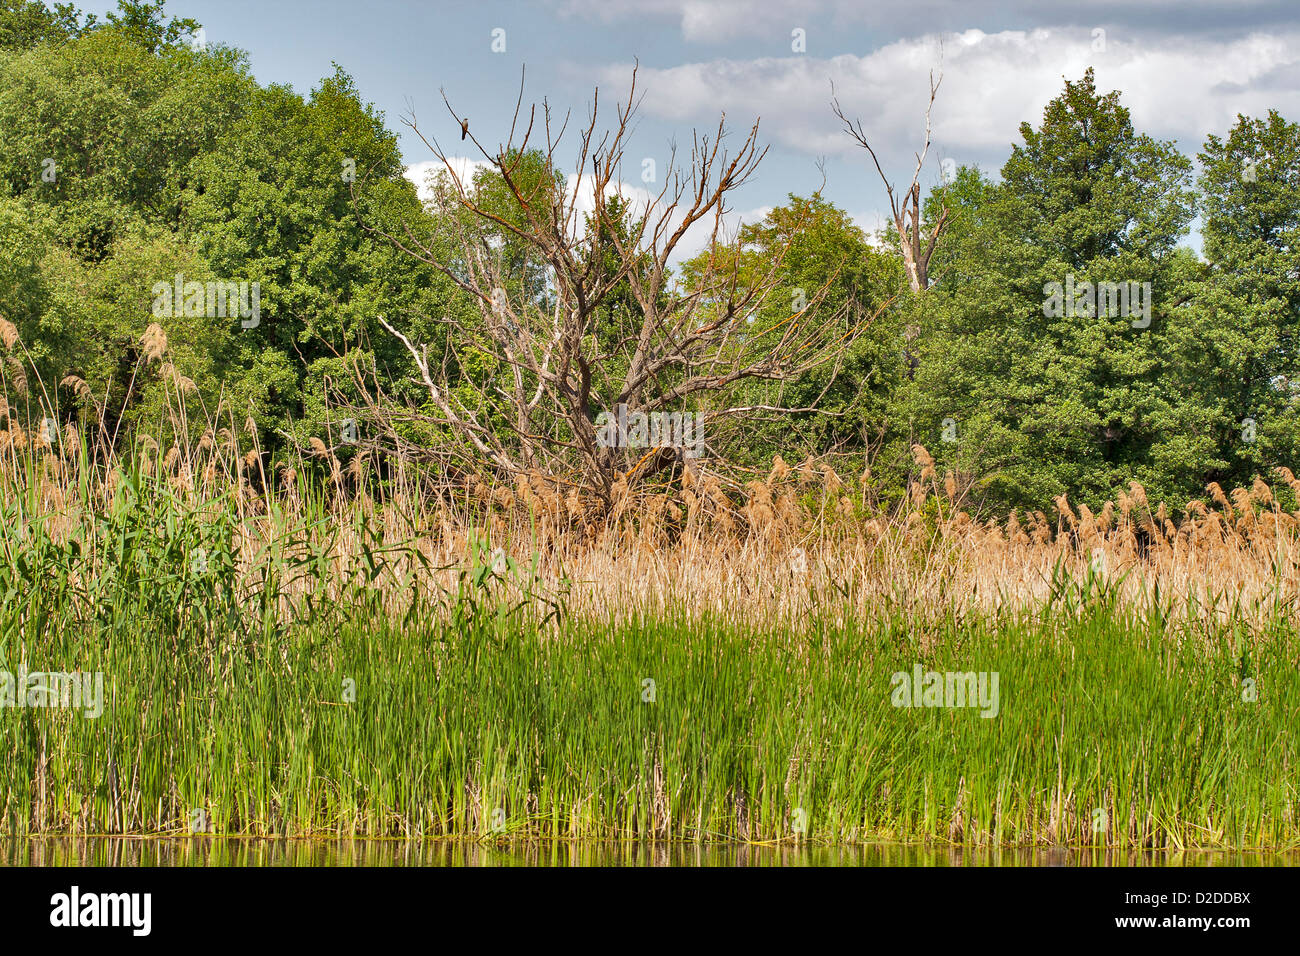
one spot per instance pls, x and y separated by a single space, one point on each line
772 552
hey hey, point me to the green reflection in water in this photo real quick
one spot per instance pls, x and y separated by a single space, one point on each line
219 851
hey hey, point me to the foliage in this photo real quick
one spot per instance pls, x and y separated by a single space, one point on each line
130 155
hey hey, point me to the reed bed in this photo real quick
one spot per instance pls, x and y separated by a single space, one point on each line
768 551
327 647
306 662
1114 731
772 553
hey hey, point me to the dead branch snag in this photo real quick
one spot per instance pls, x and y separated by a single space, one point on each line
579 314
905 211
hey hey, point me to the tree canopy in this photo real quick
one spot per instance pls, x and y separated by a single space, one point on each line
1067 338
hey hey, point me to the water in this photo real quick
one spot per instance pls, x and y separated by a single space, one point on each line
226 851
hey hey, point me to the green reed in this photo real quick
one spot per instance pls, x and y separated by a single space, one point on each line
288 684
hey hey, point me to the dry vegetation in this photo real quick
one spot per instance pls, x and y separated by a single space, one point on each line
767 551
498 638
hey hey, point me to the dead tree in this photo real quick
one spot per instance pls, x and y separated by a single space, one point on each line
674 347
905 211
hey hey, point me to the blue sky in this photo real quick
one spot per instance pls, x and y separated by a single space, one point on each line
1185 69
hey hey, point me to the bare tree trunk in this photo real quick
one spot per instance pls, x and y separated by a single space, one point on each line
565 361
906 211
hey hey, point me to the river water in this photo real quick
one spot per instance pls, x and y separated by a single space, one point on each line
224 851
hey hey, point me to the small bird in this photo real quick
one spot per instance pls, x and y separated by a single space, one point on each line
464 128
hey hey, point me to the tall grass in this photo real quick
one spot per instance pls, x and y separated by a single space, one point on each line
310 650
746 733
350 851
315 674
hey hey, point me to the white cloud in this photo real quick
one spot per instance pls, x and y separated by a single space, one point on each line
581 192
641 200
722 21
704 21
871 222
420 173
1181 88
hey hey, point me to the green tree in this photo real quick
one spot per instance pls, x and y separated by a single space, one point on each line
145 24
279 201
27 23
1024 381
122 143
816 244
1239 345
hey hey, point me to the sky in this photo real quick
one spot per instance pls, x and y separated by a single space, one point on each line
1185 68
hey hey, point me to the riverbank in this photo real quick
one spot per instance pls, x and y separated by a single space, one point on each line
313 665
1105 730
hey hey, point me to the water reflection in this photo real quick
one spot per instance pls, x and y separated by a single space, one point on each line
222 851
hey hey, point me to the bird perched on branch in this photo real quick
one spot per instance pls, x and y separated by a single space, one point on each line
464 128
